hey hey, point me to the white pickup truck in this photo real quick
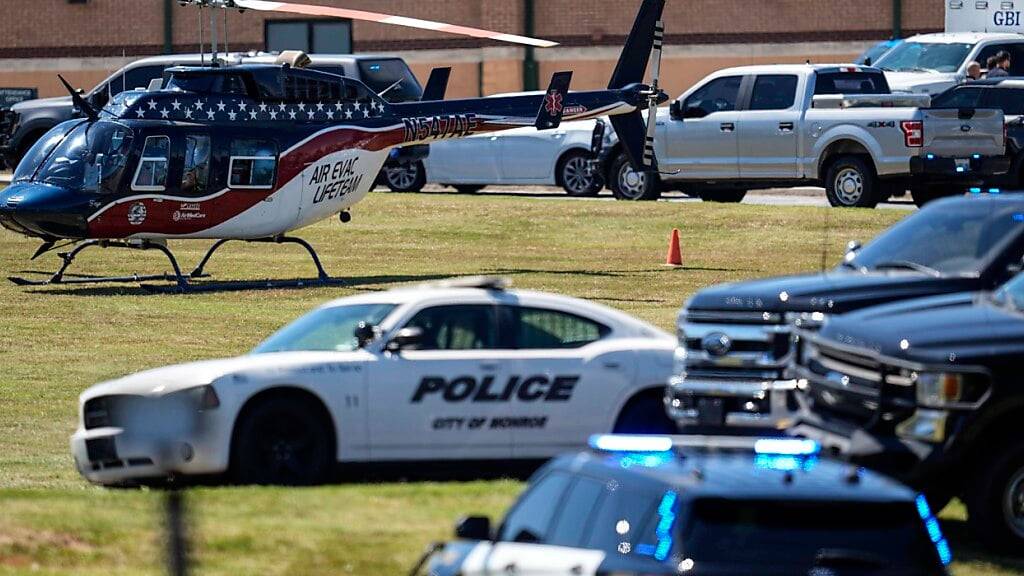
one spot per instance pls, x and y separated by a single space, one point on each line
836 126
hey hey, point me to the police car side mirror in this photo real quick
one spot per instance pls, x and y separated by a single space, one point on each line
406 339
475 528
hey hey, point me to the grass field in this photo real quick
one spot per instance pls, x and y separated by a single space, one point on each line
55 342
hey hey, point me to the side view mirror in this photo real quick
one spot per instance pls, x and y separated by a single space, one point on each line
476 528
676 110
867 61
853 247
365 333
406 339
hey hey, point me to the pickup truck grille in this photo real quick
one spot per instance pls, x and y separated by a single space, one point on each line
753 345
854 385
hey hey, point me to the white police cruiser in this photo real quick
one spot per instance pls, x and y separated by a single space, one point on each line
665 506
464 370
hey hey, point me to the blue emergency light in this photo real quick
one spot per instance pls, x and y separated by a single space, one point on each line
626 443
787 447
931 523
975 190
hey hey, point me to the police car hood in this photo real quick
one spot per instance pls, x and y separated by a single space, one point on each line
48 103
834 292
920 82
169 379
971 327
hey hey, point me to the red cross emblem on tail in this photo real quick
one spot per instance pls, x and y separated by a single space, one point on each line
553 103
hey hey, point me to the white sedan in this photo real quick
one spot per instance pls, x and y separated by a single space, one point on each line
453 371
519 157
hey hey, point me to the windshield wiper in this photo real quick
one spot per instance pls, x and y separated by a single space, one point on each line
908 265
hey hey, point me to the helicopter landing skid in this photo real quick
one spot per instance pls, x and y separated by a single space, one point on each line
58 278
322 279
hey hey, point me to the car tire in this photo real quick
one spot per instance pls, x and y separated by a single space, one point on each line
851 182
571 175
922 195
723 196
408 177
628 184
467 188
284 441
644 414
995 501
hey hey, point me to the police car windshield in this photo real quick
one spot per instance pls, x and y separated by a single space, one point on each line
804 538
924 57
947 238
325 330
90 158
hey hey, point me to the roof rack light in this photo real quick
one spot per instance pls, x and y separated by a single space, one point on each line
626 443
787 446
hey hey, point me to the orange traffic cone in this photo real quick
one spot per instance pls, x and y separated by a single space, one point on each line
675 255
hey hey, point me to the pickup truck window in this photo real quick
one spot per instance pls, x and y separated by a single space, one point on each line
948 239
1016 51
828 83
925 57
959 97
1009 100
719 95
773 92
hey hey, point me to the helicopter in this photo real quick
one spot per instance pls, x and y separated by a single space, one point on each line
253 152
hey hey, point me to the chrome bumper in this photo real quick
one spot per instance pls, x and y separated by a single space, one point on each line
723 403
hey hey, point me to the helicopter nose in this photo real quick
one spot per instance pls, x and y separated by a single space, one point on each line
42 210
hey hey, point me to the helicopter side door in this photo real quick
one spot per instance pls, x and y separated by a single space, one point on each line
266 206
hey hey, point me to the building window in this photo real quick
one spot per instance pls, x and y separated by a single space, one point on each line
310 36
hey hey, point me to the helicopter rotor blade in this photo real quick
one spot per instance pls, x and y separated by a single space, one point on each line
322 11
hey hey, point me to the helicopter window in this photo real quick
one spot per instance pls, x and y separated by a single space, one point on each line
197 165
253 164
90 158
151 176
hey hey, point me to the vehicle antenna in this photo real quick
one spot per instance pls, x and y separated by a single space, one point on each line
227 49
202 51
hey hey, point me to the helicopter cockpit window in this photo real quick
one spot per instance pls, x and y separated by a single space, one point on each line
90 158
196 174
253 164
151 176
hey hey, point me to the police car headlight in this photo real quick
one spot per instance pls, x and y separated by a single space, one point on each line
806 320
201 398
679 361
949 389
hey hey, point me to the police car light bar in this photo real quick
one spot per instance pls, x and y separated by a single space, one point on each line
625 443
786 446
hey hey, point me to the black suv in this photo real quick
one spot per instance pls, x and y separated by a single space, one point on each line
648 505
929 390
736 339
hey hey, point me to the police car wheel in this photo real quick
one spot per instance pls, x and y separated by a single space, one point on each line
995 502
628 184
409 177
644 414
572 175
850 182
283 440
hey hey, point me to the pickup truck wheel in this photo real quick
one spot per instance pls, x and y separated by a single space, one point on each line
850 182
628 184
410 177
644 414
723 196
572 175
995 502
925 194
282 441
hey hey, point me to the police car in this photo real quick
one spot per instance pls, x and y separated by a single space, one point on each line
464 370
650 505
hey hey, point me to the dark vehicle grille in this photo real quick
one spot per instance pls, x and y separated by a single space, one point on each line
759 344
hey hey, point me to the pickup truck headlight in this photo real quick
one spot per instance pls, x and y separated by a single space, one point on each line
950 389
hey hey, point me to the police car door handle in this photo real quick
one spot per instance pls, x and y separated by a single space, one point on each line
727 127
511 569
785 127
612 365
488 367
